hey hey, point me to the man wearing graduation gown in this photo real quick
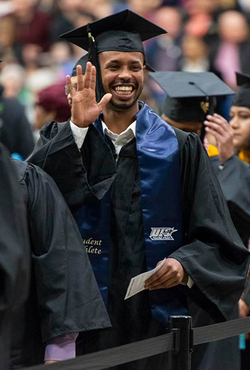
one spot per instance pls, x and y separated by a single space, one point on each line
190 98
64 298
232 161
232 168
140 191
14 253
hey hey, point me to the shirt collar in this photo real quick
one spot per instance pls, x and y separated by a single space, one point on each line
131 129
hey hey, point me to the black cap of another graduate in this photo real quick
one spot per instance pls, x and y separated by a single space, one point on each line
82 62
242 98
190 95
123 31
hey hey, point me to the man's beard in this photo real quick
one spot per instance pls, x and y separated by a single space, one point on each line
125 106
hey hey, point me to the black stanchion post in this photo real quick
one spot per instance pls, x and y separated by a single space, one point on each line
181 355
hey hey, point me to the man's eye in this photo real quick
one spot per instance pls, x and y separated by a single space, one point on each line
244 116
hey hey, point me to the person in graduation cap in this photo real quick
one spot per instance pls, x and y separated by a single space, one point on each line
232 167
139 193
63 298
232 162
190 98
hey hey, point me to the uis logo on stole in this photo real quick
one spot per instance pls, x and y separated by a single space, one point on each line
93 245
162 233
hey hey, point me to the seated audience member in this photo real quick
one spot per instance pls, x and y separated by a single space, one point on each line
51 105
16 133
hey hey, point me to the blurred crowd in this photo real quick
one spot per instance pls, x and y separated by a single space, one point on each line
203 35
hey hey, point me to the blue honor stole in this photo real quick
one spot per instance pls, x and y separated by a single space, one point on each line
160 179
93 221
159 165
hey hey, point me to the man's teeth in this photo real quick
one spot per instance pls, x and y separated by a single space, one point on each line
123 89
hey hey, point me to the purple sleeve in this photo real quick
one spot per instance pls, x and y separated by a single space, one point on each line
61 348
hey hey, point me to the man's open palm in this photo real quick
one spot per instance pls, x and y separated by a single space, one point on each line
85 108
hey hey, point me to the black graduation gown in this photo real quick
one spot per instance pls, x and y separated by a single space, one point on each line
212 254
14 253
234 180
64 296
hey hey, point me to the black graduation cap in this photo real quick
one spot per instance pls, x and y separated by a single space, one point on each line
190 95
242 98
82 62
123 31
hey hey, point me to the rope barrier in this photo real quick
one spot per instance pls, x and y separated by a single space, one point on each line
228 329
173 341
116 356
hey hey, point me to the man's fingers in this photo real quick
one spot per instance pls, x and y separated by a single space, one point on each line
80 83
169 276
165 283
70 88
157 275
93 78
87 75
158 281
104 101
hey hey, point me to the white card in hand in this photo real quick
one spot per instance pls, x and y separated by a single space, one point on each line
136 284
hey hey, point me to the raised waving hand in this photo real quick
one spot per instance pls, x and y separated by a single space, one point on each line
85 108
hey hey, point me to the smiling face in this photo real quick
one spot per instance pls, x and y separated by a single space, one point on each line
122 76
240 123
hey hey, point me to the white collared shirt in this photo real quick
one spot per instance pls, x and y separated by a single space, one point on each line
119 140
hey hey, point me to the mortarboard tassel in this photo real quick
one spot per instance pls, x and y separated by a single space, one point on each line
206 106
93 58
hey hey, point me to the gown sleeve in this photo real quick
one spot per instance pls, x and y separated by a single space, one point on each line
234 180
14 240
67 293
213 254
56 152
